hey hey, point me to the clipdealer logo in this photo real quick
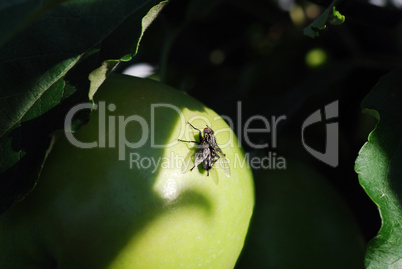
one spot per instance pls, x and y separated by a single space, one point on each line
331 154
112 134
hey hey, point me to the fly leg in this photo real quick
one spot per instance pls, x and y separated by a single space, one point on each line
197 130
189 141
215 160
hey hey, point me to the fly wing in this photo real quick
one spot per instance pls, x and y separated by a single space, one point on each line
223 163
201 154
214 175
187 163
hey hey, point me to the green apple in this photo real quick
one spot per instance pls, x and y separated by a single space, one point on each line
116 194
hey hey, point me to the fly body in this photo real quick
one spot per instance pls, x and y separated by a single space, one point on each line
208 152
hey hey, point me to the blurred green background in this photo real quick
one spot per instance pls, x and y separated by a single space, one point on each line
221 52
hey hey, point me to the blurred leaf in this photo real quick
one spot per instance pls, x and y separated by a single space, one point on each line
16 15
380 171
47 51
198 8
299 214
330 15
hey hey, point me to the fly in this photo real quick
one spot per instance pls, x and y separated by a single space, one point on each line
208 152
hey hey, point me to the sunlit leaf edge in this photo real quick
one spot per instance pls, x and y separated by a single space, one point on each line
329 15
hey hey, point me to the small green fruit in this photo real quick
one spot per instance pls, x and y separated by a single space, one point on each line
92 210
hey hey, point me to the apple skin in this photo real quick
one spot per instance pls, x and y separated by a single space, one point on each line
92 210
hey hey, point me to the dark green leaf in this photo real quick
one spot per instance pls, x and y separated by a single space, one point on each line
17 15
380 171
119 46
330 15
47 51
